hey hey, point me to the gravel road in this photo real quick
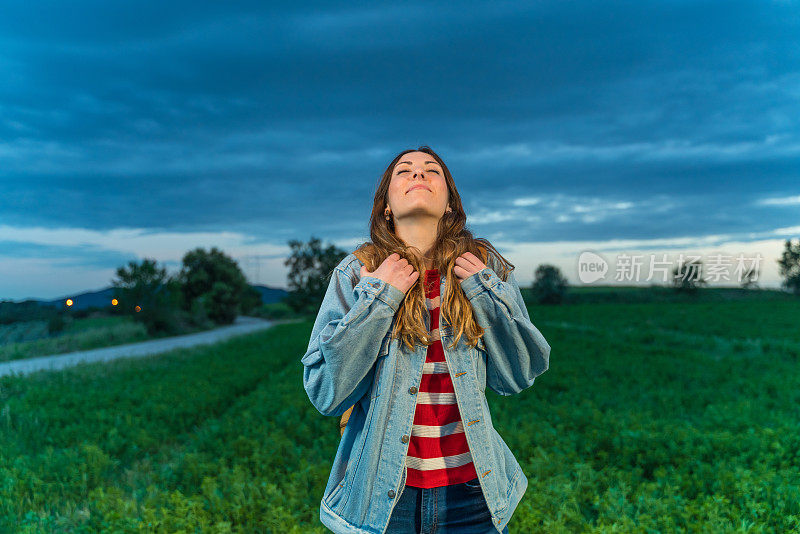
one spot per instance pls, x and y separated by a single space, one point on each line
242 325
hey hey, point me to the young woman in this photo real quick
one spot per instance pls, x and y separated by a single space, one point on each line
414 325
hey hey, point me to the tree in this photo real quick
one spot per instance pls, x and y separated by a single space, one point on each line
144 291
749 279
549 285
790 266
251 299
688 277
213 283
310 269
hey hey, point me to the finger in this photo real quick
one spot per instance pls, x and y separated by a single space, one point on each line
394 259
477 262
463 262
468 270
461 272
471 257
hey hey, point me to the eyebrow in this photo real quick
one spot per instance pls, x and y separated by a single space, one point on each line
424 163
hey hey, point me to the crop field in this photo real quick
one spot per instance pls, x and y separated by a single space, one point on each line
677 416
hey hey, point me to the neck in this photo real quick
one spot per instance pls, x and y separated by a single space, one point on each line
419 232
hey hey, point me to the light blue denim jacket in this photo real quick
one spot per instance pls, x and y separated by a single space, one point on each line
352 361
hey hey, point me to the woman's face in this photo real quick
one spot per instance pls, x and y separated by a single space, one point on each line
417 187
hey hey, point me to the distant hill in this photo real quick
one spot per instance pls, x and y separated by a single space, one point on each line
271 294
102 297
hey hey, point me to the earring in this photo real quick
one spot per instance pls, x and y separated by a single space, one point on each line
387 214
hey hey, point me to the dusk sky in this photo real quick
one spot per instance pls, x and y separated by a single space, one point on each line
135 129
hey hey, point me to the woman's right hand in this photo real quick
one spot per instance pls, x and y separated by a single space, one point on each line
395 271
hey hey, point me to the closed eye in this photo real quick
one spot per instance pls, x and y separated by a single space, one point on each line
406 170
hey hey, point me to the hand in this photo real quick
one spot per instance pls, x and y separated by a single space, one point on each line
395 271
466 265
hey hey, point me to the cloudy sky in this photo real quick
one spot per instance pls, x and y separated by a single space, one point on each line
135 129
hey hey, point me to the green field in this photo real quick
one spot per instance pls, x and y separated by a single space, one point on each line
27 339
653 417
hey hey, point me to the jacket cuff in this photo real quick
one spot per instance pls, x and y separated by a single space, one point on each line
483 280
382 291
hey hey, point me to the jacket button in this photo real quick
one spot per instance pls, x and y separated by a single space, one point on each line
376 284
412 389
404 439
486 276
391 494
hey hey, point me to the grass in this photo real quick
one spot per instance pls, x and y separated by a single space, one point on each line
653 417
30 338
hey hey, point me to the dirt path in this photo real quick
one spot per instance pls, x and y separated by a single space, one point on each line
242 325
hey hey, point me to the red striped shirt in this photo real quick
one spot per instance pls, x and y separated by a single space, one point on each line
438 453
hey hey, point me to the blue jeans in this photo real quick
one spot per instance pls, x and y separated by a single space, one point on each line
457 508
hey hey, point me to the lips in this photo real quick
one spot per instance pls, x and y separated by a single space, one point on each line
419 186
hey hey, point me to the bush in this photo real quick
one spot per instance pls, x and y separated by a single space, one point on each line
56 324
223 300
276 311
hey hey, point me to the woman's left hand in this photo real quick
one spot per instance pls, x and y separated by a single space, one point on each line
466 265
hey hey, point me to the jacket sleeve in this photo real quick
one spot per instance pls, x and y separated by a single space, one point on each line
516 351
345 340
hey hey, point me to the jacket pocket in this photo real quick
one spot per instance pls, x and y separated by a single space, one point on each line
331 500
379 364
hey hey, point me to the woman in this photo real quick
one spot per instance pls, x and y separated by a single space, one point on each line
451 471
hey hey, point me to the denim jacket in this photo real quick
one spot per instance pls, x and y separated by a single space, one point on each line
352 361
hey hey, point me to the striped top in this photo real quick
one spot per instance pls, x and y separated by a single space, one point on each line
438 453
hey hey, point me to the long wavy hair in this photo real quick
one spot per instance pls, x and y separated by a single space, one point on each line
452 240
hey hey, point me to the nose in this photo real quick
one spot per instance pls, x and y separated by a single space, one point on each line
418 177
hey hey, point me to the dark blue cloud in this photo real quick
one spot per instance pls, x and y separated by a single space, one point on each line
77 255
279 119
